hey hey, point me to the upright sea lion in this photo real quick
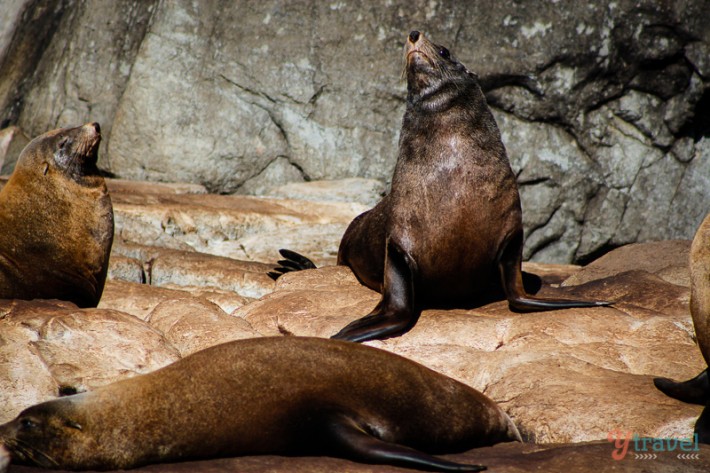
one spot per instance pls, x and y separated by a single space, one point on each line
697 390
56 220
280 395
450 231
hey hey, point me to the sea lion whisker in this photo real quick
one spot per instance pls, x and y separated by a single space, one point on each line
29 453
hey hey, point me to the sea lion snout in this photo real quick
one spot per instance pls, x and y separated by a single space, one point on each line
414 36
90 134
80 147
4 458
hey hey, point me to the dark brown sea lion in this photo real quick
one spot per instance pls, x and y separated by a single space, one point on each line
280 395
450 231
56 220
697 390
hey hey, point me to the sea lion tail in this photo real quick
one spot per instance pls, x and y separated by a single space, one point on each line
352 441
293 262
693 391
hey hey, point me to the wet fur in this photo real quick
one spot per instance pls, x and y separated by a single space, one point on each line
453 214
57 220
280 395
697 390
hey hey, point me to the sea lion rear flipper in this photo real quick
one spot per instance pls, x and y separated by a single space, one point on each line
509 265
396 312
702 425
693 391
293 262
350 440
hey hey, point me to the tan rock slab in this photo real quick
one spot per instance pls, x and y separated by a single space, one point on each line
193 324
239 227
177 268
227 300
80 348
312 302
136 299
146 187
666 259
164 267
127 269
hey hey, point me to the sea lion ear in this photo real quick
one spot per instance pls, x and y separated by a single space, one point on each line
73 425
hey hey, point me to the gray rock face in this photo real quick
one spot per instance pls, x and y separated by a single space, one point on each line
603 107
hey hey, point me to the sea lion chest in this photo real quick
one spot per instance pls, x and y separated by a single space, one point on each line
454 201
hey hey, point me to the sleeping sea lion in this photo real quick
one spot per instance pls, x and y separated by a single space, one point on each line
280 395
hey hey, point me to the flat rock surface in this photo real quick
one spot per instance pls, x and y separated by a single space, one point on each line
503 458
234 226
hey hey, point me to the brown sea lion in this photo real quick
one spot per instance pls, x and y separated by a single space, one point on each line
450 231
280 395
697 390
56 220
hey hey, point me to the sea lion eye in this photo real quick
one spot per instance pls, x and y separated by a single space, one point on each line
443 52
27 423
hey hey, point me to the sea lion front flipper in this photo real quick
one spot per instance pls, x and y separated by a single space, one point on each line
693 391
396 313
509 264
350 440
293 262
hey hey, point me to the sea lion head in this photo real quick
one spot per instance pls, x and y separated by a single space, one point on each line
45 435
72 152
433 73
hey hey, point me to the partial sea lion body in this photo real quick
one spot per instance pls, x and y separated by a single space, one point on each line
700 286
450 231
281 395
56 220
697 390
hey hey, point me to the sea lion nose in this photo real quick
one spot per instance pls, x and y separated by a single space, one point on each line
97 127
414 36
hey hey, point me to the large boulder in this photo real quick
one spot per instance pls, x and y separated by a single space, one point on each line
603 107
